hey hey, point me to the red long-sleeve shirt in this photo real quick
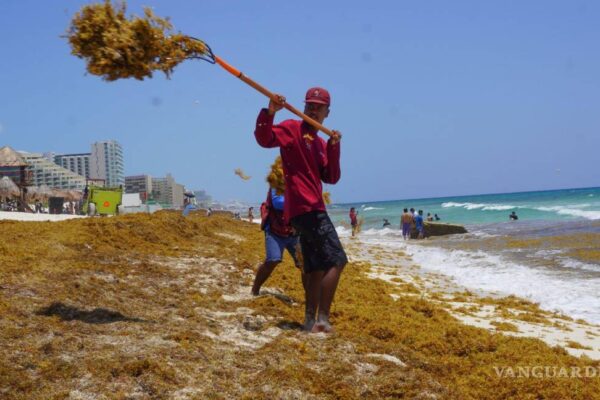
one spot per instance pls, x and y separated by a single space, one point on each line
307 160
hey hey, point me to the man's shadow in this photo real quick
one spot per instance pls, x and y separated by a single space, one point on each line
96 316
279 296
288 325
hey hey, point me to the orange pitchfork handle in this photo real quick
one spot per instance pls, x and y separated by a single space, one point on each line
270 95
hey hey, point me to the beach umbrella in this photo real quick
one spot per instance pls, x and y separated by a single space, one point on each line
38 192
75 195
116 47
44 191
8 188
59 193
67 195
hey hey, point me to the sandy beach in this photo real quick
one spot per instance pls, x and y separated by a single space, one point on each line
22 216
158 306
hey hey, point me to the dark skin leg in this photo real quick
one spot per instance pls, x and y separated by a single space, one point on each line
322 286
262 274
304 280
313 292
329 284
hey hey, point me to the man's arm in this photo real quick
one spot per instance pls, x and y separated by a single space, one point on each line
331 173
265 133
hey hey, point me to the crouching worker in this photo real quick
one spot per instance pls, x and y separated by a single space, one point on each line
279 236
307 161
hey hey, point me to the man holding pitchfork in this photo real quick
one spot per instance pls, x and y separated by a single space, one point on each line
307 161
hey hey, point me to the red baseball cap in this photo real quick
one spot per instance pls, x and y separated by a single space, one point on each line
317 95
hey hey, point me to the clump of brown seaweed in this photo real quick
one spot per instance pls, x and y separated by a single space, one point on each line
115 46
239 172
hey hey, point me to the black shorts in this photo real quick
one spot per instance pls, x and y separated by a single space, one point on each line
321 246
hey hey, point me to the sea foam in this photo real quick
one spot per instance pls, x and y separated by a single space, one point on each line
575 212
482 206
556 290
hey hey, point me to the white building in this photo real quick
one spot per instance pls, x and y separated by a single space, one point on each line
106 162
45 172
78 163
168 192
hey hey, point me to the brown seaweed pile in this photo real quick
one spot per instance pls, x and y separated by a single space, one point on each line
275 177
159 306
115 46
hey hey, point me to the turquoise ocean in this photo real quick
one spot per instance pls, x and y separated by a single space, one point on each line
478 210
549 273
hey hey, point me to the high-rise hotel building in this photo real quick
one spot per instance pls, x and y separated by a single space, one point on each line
78 163
106 163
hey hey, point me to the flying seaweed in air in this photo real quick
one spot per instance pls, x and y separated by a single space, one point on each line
115 46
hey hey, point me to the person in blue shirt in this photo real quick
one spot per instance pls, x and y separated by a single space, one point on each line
188 206
419 224
279 236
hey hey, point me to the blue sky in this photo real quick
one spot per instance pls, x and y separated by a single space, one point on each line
434 98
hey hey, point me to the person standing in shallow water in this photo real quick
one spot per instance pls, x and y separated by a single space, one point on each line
353 220
419 224
406 220
307 162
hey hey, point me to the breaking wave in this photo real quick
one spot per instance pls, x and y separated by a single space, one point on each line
482 206
571 210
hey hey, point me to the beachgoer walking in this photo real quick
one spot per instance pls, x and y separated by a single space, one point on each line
279 236
406 221
429 217
188 207
251 214
419 224
353 220
307 161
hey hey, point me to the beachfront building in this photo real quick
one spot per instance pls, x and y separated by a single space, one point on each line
106 163
141 184
203 199
78 163
46 172
167 192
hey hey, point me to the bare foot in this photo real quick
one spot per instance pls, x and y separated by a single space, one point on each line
309 324
322 326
